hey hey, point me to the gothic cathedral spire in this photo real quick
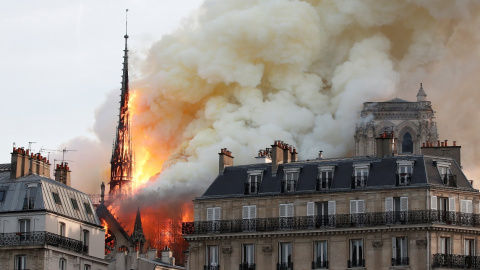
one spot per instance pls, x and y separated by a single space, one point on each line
121 174
138 237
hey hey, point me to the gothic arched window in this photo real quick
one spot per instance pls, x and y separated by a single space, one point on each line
407 144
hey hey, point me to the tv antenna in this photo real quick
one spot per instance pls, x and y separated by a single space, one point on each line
30 146
65 150
48 151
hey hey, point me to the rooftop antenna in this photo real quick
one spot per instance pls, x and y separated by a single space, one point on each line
30 146
65 150
126 25
48 151
14 144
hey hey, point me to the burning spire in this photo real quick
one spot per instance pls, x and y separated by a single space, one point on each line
122 157
138 237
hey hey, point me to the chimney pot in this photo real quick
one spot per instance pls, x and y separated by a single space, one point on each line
438 143
446 143
454 143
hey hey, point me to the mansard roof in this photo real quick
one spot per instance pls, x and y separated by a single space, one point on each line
382 175
397 100
16 194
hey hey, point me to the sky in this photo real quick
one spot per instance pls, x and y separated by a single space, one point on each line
60 60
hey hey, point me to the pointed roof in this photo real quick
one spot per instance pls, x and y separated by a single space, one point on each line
137 235
421 96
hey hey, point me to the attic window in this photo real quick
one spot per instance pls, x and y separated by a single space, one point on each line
2 195
446 175
56 198
290 178
325 176
253 181
360 176
404 172
88 209
74 203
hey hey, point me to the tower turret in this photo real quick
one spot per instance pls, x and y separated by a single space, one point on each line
138 237
421 96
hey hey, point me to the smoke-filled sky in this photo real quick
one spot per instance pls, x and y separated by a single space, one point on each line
241 74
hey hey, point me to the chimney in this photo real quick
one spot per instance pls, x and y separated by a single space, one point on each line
320 154
294 155
46 167
277 156
443 149
26 162
385 144
286 153
264 156
225 160
62 173
151 254
20 163
167 256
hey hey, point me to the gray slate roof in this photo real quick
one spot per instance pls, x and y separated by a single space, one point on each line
16 191
382 174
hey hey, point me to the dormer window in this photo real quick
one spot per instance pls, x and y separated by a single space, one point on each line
252 186
31 194
325 176
446 175
290 178
404 172
360 175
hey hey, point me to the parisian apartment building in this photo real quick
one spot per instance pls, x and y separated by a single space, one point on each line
402 202
44 222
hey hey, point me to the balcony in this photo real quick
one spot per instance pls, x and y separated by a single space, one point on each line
289 186
320 265
359 181
332 221
400 261
456 261
449 180
252 188
247 266
285 266
403 179
356 263
323 184
40 238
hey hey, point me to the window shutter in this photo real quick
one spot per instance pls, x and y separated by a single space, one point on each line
469 206
245 213
290 210
216 214
394 248
353 207
253 211
331 207
463 206
433 205
283 210
209 214
388 204
403 203
310 209
451 204
361 206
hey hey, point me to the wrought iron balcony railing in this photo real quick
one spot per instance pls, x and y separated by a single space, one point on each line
40 238
211 267
356 263
247 266
252 188
456 261
359 181
285 266
323 184
331 221
319 264
400 261
289 186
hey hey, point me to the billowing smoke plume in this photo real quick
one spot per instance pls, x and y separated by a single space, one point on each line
241 74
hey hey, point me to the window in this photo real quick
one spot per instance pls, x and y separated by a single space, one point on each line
56 198
21 262
24 229
356 254
322 213
249 215
2 195
86 240
320 259
445 245
325 176
466 209
74 203
61 229
213 215
286 219
86 267
445 208
62 264
290 178
248 257
285 256
360 176
357 209
212 257
407 143
399 251
445 174
29 201
404 172
88 209
397 209
253 182
469 247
